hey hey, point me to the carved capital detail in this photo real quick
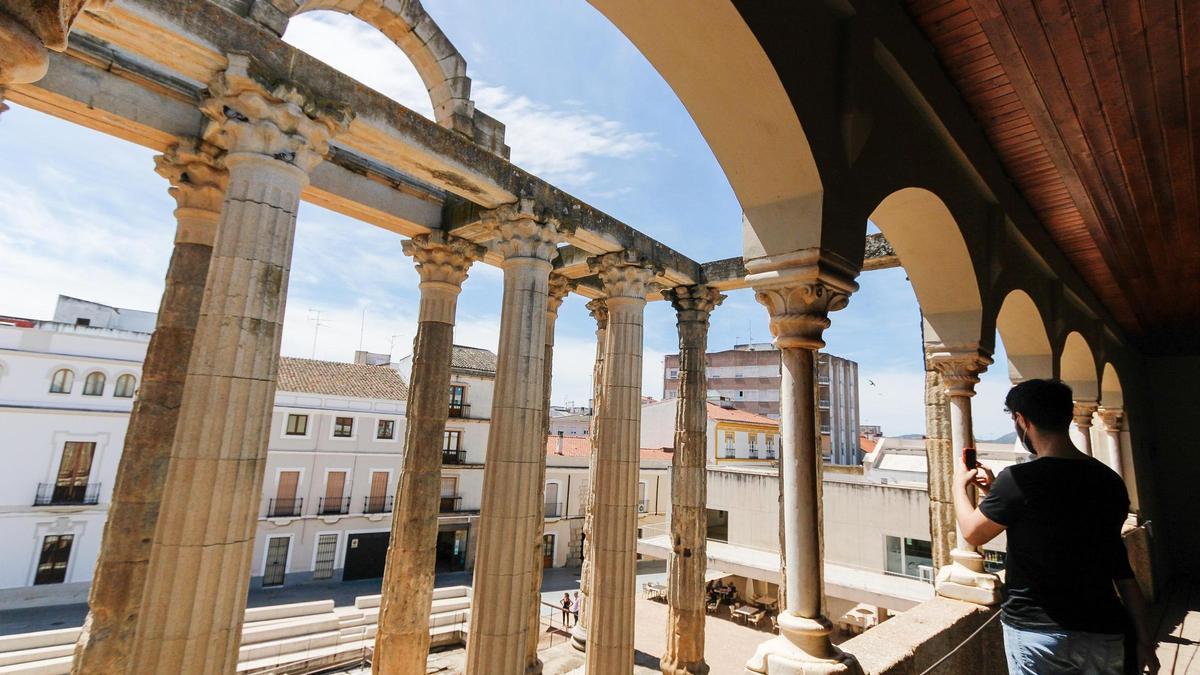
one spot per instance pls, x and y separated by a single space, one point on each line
1112 418
442 258
598 308
693 303
623 274
1082 413
196 172
960 369
522 230
248 114
558 289
799 312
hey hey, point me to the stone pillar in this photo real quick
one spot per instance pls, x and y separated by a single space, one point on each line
516 453
199 569
1082 416
198 179
965 578
599 311
558 289
799 300
939 453
402 640
626 280
1112 418
684 654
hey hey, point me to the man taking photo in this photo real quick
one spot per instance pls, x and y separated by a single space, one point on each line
1066 562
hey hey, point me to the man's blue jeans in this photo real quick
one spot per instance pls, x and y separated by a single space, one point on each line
1054 652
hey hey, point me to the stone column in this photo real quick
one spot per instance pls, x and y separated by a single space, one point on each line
684 654
402 640
965 578
516 453
1112 418
199 569
599 311
798 300
939 453
1082 416
27 31
197 176
626 280
558 289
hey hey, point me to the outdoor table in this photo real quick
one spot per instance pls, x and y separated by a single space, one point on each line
744 612
658 590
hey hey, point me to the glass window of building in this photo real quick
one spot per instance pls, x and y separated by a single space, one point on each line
343 427
297 425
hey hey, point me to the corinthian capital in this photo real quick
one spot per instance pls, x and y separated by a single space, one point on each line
559 287
442 258
1112 418
624 274
1082 413
799 290
522 230
693 303
598 308
960 368
248 114
196 172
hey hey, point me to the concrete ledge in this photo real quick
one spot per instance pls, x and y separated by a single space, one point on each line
913 641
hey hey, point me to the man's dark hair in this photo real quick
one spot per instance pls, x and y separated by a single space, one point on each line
1046 404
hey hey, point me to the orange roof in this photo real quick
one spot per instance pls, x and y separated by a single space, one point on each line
716 412
581 446
867 444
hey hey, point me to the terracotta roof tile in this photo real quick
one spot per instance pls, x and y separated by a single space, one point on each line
473 360
332 378
581 446
716 412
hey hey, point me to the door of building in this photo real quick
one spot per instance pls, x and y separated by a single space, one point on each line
365 555
70 486
326 551
452 550
276 564
547 550
286 503
52 564
335 487
377 500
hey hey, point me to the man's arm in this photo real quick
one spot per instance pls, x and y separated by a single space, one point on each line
976 528
1135 604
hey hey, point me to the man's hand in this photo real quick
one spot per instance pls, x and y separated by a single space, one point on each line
984 480
1147 659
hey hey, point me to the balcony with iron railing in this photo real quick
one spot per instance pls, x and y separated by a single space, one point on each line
290 507
753 452
377 504
450 504
333 506
554 509
460 410
454 456
53 494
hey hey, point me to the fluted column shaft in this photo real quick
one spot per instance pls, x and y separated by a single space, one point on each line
199 566
516 453
1082 417
614 500
197 176
402 640
939 450
689 487
558 288
599 312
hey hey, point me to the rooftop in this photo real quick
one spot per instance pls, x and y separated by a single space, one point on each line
309 376
473 360
716 412
581 446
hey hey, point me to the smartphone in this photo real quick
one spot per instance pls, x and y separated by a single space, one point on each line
969 458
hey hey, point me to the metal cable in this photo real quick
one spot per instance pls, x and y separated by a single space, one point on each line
959 645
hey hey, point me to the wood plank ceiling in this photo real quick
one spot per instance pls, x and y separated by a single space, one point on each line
1093 108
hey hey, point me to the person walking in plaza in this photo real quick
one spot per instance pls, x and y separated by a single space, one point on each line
575 606
1070 594
566 609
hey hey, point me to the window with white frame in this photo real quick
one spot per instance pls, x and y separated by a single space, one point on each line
730 452
752 445
62 381
343 427
386 430
93 384
770 446
126 385
297 425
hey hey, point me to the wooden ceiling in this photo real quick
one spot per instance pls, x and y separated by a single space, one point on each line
1093 108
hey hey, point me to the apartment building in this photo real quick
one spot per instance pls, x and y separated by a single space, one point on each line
734 436
66 389
748 376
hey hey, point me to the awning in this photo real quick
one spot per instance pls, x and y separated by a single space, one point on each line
712 575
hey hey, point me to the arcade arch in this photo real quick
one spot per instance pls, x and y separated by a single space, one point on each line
1023 333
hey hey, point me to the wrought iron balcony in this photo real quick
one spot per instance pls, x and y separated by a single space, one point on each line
53 494
377 504
753 453
285 508
454 456
338 506
450 504
554 509
460 410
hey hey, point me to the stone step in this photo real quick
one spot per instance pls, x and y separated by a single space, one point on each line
368 601
36 654
329 652
288 611
56 666
281 629
287 646
43 638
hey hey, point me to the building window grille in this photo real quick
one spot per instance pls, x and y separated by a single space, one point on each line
125 386
297 425
62 382
326 550
730 453
752 446
93 384
386 430
343 427
277 550
770 447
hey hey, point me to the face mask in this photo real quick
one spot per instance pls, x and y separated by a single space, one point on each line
1023 434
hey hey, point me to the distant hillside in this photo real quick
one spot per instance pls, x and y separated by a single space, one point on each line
912 437
1010 437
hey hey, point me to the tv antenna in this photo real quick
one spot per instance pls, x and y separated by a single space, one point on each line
314 317
392 346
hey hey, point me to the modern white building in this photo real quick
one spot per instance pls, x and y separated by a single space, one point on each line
903 460
66 390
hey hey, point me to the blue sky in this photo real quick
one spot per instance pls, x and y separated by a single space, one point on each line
85 215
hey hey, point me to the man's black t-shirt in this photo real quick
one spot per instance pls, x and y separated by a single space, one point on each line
1063 519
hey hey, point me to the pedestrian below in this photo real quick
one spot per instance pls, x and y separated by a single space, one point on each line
575 607
566 608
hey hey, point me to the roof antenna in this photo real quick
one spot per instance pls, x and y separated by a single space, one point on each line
317 323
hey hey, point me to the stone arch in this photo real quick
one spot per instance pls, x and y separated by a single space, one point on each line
716 66
1077 367
1023 332
1111 395
441 67
930 246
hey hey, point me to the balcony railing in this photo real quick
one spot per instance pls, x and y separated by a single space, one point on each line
824 404
377 504
643 506
450 504
753 453
554 509
337 506
460 410
52 494
770 454
285 508
454 456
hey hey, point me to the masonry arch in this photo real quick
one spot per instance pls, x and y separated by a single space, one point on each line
1077 368
1111 395
1025 339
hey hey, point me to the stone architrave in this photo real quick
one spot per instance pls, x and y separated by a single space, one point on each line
558 288
599 311
1112 419
965 578
199 569
516 454
27 30
1081 415
402 640
939 453
799 292
684 654
197 176
625 277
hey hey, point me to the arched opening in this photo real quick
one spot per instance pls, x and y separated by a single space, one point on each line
1024 336
1077 367
1118 451
1110 388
